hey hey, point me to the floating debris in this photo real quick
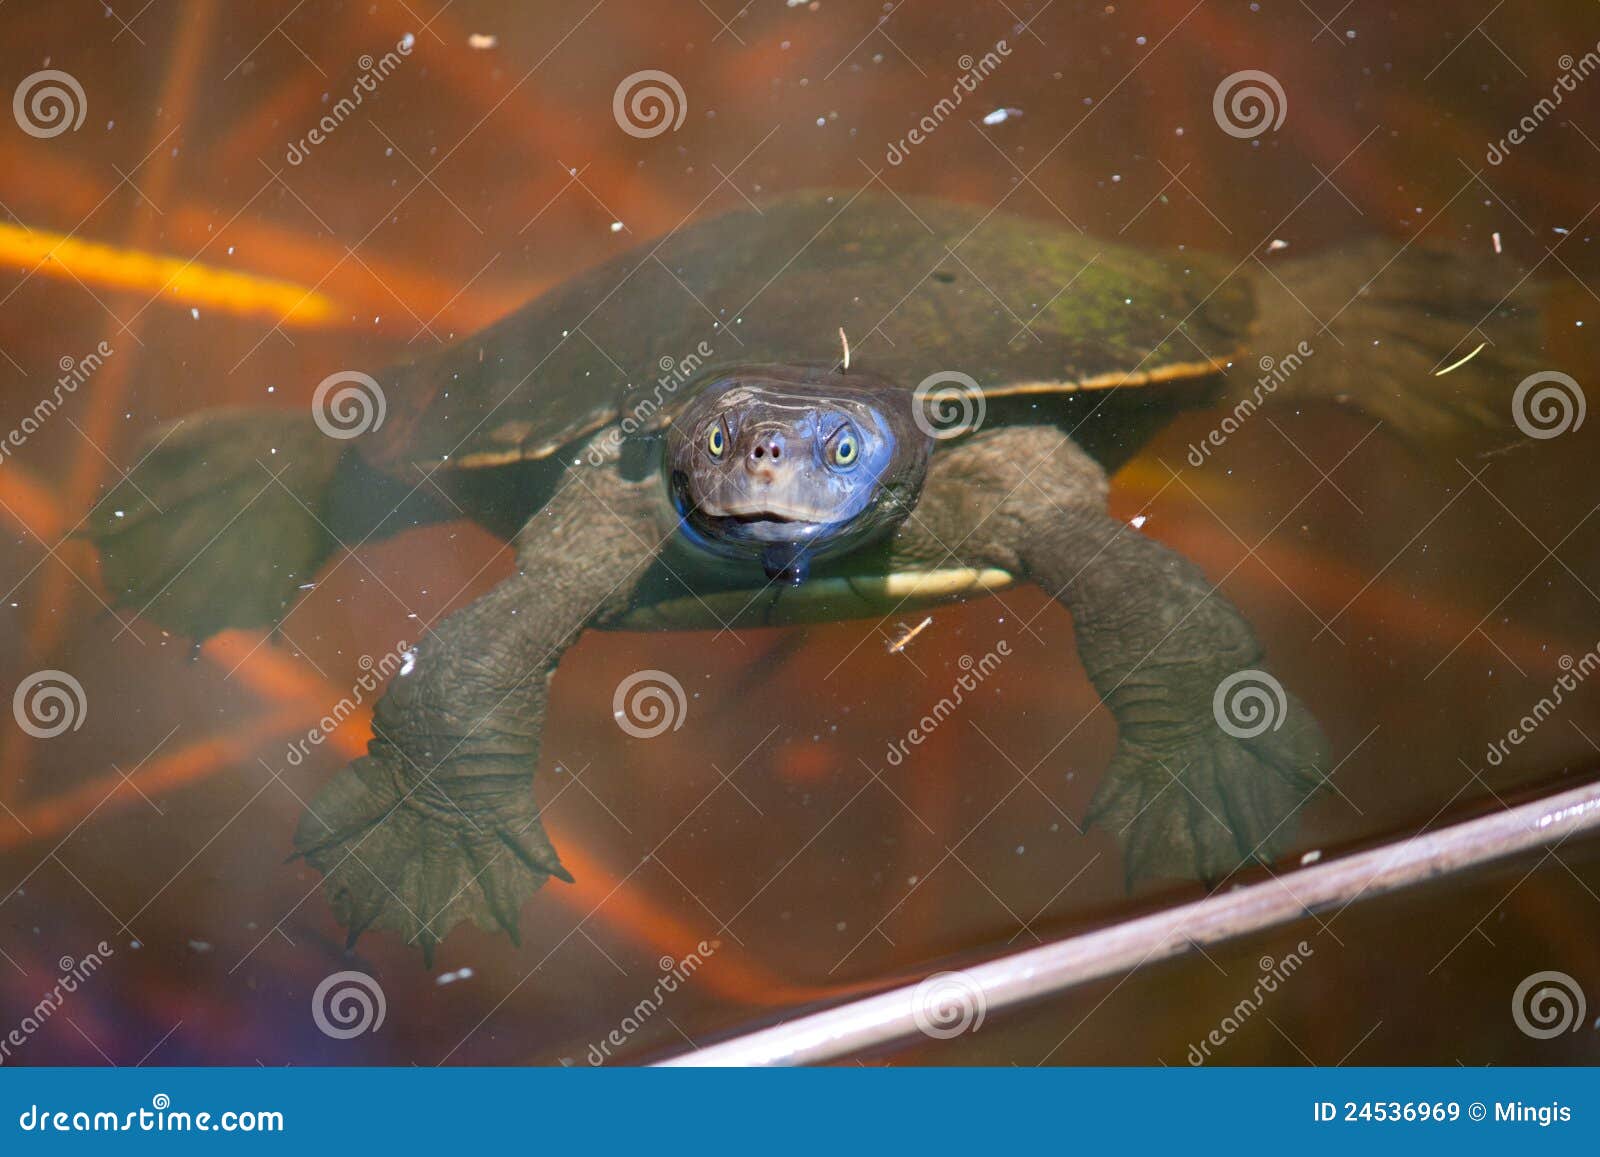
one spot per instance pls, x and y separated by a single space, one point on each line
451 977
908 633
1311 857
1456 365
1496 239
482 41
1001 115
1138 521
845 342
1277 245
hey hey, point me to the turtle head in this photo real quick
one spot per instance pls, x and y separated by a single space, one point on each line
787 464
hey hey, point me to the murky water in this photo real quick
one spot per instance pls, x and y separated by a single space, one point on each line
229 225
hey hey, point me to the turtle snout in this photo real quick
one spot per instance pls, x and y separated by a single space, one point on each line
765 455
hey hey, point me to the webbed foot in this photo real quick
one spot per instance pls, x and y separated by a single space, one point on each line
418 857
1204 804
221 521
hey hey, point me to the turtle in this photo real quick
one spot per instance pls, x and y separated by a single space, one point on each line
675 440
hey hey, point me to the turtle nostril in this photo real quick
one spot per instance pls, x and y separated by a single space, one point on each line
769 445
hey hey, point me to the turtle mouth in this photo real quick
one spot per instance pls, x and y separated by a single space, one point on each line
765 526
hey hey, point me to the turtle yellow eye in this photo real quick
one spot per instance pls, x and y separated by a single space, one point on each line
846 447
717 441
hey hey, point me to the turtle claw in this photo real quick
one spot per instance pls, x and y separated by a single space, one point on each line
1212 803
418 862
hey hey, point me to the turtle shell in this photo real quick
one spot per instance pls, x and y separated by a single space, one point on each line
1033 311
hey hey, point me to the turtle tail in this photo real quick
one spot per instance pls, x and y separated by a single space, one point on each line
1433 341
225 517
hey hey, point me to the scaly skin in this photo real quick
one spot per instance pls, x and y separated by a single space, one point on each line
438 823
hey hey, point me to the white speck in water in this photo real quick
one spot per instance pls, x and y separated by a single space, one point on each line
114 514
408 662
1311 857
617 226
1021 849
1277 245
408 41
482 41
1138 521
1001 115
840 926
194 313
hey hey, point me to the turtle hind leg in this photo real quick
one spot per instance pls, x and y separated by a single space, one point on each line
1402 317
221 521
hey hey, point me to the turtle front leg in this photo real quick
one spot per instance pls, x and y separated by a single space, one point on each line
1213 758
437 823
